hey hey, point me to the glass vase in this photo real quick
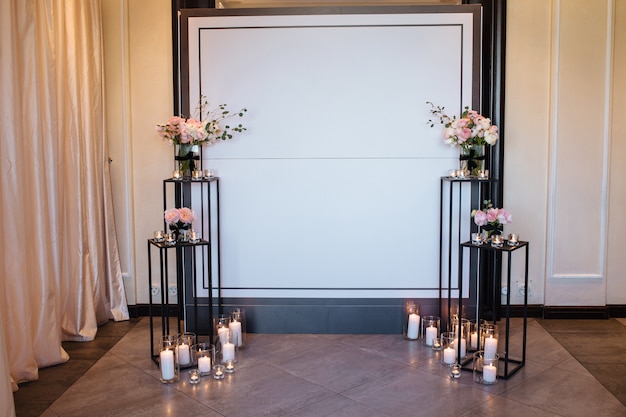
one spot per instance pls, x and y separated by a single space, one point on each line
187 159
472 159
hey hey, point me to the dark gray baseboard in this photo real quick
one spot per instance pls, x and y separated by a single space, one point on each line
358 316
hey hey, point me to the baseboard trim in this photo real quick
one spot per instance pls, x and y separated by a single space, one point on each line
362 315
576 312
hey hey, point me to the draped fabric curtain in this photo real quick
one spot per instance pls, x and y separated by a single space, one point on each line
61 275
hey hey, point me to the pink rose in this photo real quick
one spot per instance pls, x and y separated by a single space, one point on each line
504 217
171 215
480 218
186 215
492 215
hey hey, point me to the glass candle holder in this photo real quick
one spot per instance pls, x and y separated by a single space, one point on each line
496 241
222 331
237 327
177 174
170 239
437 345
229 351
513 240
219 371
183 349
477 239
411 321
209 173
197 175
485 370
194 236
204 357
474 334
489 340
448 351
430 329
168 363
158 235
455 371
194 376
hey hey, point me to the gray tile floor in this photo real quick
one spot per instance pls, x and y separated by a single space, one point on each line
339 376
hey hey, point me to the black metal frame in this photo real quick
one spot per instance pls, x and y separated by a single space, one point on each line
503 372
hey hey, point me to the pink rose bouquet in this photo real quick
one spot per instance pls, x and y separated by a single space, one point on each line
468 130
491 219
179 219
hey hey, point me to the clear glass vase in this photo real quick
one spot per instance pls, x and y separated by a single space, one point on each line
472 159
187 159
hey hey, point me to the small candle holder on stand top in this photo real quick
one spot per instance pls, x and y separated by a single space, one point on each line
411 321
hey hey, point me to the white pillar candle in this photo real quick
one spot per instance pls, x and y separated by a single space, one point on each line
431 333
222 334
474 340
413 326
235 331
463 348
491 347
489 373
449 355
228 352
182 353
167 364
204 364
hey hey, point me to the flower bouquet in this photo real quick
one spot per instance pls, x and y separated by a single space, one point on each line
179 220
206 128
491 220
471 132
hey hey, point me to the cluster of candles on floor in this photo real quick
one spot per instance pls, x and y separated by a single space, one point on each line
185 351
464 338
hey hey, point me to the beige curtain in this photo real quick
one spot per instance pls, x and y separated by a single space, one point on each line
60 268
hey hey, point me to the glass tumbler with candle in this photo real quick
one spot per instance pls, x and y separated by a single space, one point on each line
430 329
237 327
485 370
229 355
183 349
489 339
204 357
411 321
222 331
448 348
168 363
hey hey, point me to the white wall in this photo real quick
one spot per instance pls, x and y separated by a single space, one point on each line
563 146
564 150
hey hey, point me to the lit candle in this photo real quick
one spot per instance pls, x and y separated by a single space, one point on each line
194 376
449 355
197 175
158 235
228 352
489 373
235 331
222 334
463 348
176 174
474 340
182 353
218 371
167 364
208 173
491 346
431 333
204 364
230 367
413 326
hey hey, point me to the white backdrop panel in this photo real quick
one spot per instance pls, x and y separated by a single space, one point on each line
334 188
